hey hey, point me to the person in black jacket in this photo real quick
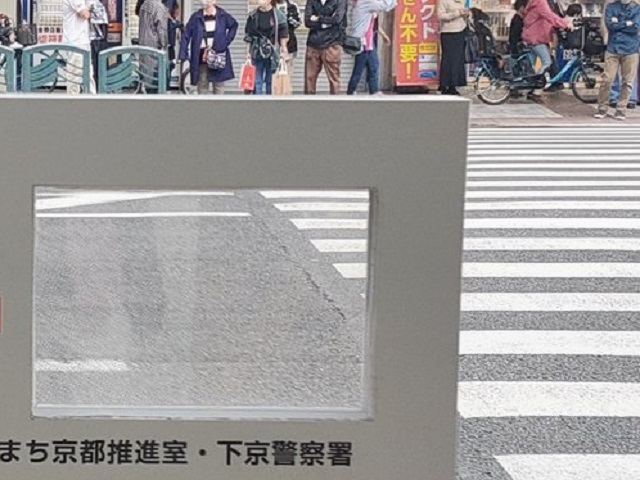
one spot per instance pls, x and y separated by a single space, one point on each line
292 12
515 28
327 24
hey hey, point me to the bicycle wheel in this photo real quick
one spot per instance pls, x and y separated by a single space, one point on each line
585 83
492 91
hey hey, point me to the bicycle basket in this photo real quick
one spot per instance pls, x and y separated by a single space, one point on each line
571 40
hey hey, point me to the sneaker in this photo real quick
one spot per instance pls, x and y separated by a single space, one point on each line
619 115
631 106
601 113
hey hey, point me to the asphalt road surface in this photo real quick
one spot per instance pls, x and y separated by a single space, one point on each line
201 299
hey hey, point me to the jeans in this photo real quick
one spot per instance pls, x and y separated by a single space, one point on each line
614 95
544 54
263 75
368 60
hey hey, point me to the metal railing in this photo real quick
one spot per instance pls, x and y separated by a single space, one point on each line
134 67
43 65
7 69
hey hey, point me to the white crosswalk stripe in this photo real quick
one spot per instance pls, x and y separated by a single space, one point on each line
552 240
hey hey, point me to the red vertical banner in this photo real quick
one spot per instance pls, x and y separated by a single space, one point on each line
417 42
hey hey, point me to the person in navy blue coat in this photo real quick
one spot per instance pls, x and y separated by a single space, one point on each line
209 28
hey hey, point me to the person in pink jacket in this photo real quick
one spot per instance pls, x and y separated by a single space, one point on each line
539 23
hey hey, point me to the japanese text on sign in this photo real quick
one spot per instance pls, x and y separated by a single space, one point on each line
175 452
94 452
417 42
288 453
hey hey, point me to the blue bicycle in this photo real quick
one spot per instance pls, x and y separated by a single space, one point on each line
499 76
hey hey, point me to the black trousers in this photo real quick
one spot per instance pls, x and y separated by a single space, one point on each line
452 72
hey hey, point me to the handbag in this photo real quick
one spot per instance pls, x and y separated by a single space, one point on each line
248 77
27 35
282 80
215 61
471 46
353 45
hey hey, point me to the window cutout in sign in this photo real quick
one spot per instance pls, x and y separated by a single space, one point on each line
238 304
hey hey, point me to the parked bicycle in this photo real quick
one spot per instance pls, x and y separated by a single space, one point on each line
499 76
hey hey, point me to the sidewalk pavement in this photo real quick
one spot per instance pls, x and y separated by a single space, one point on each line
560 108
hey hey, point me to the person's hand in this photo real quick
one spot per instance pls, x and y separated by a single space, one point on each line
314 18
614 19
570 27
629 23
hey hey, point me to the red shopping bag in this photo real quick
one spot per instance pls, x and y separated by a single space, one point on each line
248 77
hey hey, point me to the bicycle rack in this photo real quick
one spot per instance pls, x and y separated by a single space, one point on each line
55 63
7 69
125 67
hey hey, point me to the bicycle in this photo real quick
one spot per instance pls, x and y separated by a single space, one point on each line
498 77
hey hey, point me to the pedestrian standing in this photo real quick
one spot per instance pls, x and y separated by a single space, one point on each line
516 26
292 13
622 19
453 24
327 24
76 28
210 28
154 33
539 24
266 36
364 20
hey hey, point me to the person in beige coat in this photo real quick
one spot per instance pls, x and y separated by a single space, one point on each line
453 23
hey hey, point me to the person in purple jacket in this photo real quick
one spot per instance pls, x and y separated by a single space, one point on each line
210 27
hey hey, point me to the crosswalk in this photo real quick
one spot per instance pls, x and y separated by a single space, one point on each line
550 324
552 243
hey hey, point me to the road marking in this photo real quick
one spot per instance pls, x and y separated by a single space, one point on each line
568 173
340 245
315 194
550 342
548 399
177 193
323 207
571 467
143 215
78 199
352 270
514 149
550 193
553 243
552 205
550 302
551 270
329 223
546 166
553 183
558 223
81 366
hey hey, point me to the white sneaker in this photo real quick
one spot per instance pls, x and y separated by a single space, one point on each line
601 113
